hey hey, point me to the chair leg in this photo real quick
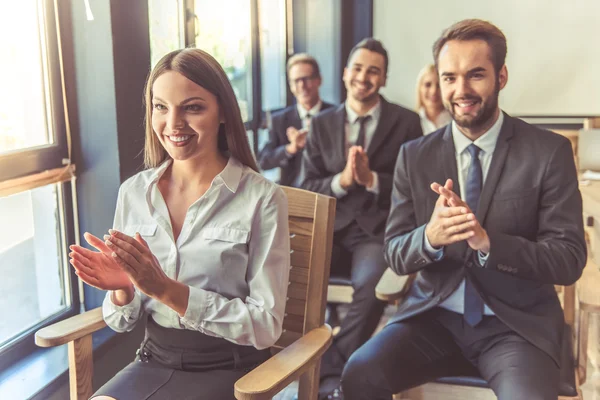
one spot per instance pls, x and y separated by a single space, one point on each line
308 387
81 368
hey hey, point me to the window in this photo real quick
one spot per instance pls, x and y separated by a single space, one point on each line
36 212
247 37
166 20
227 36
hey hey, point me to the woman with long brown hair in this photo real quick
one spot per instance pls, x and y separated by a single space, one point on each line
199 245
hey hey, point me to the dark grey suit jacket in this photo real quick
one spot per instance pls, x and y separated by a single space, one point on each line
324 157
273 155
531 208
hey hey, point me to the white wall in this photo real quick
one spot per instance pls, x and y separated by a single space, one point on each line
553 49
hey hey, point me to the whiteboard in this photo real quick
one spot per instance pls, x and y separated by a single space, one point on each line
553 56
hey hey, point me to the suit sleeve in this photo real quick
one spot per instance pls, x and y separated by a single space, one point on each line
273 155
316 177
404 243
386 180
558 256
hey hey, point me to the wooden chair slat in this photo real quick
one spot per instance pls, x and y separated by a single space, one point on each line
299 275
293 323
300 259
303 204
300 242
295 307
297 290
301 226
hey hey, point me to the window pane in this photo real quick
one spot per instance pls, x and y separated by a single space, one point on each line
223 30
165 28
23 78
31 257
272 20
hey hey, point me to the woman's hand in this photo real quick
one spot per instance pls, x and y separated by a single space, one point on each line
134 257
99 268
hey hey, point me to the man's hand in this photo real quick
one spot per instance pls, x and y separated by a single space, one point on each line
347 178
360 168
297 139
477 238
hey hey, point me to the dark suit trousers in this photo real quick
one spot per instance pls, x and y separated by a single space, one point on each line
359 256
438 343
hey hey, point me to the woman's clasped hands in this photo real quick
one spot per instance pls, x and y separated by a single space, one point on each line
120 263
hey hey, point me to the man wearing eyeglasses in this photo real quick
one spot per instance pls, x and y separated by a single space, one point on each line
289 127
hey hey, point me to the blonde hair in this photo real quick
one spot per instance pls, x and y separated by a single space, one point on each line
305 59
424 71
202 69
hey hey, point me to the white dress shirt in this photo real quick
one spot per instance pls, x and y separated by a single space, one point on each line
487 144
428 126
303 113
233 252
351 130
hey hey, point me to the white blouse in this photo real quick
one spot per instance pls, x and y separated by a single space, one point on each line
428 126
233 252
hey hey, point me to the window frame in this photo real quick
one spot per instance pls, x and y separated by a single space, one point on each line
30 164
255 119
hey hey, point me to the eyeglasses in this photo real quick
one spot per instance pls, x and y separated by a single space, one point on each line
305 79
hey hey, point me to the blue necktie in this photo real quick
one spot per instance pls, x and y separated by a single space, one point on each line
473 302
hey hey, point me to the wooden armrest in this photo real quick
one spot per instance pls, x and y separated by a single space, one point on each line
283 368
392 287
588 288
70 329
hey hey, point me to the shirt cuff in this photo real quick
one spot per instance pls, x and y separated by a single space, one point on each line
288 154
375 187
337 188
198 302
129 312
432 252
482 257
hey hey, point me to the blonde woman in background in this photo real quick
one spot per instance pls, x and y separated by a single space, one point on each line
429 103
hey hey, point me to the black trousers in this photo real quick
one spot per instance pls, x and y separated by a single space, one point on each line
184 365
438 343
359 256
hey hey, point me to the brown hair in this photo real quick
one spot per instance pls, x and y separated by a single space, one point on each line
306 59
473 29
373 45
202 69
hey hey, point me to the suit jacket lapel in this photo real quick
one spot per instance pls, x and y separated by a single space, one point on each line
295 120
387 120
338 135
449 160
496 167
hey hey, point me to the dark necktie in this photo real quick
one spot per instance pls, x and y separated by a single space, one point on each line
306 121
473 302
362 131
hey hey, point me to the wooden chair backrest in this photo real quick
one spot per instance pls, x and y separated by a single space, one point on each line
311 218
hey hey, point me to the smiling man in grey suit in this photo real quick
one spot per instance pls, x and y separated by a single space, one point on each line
486 248
350 154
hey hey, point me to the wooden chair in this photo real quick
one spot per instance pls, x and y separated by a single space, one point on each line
305 336
392 288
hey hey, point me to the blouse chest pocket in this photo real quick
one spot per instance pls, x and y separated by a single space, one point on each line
145 230
230 246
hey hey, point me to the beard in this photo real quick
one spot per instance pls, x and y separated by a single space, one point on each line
484 115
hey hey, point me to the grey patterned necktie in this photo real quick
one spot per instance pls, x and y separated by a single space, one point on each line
473 301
